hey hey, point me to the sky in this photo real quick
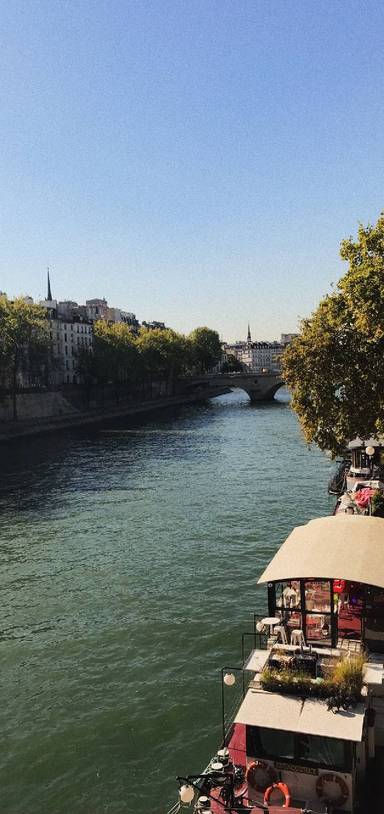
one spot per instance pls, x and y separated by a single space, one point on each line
194 161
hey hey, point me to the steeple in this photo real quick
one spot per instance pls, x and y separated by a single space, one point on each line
49 296
249 340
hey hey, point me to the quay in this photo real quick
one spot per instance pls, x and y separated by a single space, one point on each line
51 411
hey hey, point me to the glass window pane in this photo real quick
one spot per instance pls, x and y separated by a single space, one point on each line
318 595
330 752
319 627
288 594
263 742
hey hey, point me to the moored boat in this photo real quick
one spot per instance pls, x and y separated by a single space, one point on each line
303 715
359 481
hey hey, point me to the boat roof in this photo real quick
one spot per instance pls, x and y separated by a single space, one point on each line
370 442
306 716
342 546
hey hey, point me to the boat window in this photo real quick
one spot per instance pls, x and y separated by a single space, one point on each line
374 619
288 594
309 750
374 601
318 627
360 459
330 752
318 595
262 742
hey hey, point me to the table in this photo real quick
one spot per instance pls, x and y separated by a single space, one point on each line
271 621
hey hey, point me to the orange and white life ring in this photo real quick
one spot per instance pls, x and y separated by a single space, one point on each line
340 782
283 788
254 769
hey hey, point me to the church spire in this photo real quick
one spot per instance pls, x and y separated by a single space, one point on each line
49 297
249 340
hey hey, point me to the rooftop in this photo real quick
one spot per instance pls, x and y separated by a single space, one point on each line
306 716
349 547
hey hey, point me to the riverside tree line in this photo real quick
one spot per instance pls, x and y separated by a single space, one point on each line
118 356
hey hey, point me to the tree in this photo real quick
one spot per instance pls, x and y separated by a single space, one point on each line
115 355
205 347
24 342
232 364
334 368
164 353
86 368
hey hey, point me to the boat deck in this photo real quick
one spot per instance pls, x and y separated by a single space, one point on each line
373 798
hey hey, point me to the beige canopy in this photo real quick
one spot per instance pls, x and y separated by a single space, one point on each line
343 546
284 712
358 443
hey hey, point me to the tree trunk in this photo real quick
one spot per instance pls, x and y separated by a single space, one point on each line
14 389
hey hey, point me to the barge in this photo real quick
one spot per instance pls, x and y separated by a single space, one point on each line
303 714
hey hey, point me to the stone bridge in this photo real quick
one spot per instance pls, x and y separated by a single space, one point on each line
259 386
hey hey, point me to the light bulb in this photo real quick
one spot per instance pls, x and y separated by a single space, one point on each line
187 794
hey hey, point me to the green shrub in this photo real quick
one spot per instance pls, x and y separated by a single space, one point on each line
345 677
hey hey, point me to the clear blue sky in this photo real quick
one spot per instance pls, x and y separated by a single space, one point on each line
195 161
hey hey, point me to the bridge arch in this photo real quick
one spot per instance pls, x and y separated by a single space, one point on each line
258 386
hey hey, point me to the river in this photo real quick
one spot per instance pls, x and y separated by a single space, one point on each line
129 564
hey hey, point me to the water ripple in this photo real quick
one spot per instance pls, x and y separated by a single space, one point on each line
130 559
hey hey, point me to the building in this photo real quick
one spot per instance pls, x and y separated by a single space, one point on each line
256 357
97 309
151 326
71 328
130 319
69 331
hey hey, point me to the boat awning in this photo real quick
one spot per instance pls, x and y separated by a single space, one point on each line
358 443
343 546
309 717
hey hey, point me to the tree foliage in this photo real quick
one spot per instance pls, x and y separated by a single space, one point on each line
24 343
119 356
232 364
205 348
334 368
163 352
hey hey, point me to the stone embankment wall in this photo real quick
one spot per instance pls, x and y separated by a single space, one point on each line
36 405
40 413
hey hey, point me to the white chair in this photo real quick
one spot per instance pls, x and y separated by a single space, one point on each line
297 638
280 632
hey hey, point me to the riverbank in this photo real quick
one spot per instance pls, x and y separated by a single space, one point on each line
12 430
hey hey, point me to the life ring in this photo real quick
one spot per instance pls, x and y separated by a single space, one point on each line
260 765
284 790
332 778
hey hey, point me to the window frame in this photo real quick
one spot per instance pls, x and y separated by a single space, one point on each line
297 760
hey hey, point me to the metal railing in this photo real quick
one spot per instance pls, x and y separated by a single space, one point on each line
232 696
252 640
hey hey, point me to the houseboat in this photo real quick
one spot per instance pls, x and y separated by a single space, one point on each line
303 715
363 461
360 485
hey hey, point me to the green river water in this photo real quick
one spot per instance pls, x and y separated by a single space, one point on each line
129 560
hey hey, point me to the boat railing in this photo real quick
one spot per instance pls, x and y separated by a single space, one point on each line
252 640
232 694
